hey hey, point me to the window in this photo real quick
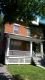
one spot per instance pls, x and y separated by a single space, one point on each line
16 28
28 32
15 45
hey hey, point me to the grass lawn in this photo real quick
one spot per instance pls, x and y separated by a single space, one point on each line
26 72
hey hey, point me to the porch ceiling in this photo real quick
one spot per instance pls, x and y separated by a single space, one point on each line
25 38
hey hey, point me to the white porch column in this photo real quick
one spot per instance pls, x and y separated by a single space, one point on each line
41 49
30 48
7 50
8 43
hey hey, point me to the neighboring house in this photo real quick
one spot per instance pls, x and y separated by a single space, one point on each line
17 46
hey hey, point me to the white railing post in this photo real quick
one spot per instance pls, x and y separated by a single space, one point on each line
41 49
30 48
31 52
24 59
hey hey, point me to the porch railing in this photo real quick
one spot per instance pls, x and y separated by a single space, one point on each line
22 57
19 53
18 57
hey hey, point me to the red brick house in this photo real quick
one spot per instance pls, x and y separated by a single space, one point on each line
17 46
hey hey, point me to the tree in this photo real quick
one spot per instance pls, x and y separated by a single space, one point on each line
25 10
42 8
22 9
36 30
1 20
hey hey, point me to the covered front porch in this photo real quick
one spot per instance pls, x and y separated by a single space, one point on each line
21 54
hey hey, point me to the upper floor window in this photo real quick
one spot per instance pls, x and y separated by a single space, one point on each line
28 31
16 28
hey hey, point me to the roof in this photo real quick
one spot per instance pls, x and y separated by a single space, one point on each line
25 38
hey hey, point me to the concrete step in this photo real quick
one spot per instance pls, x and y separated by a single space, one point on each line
39 62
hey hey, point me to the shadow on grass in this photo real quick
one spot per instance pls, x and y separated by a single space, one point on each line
17 77
5 77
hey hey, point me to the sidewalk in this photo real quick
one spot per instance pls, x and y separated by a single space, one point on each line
4 74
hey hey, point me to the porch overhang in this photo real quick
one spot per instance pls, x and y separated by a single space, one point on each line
25 38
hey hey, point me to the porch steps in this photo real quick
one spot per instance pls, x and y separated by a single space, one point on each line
39 61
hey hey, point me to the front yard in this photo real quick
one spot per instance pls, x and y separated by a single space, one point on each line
26 72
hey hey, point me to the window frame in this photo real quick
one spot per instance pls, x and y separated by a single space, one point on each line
28 33
15 29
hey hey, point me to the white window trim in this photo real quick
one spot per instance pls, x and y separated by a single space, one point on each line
16 24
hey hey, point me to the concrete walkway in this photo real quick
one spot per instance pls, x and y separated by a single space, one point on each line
4 74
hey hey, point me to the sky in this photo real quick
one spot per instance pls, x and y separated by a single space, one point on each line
42 21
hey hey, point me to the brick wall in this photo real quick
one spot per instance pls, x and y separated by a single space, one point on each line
22 30
10 28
